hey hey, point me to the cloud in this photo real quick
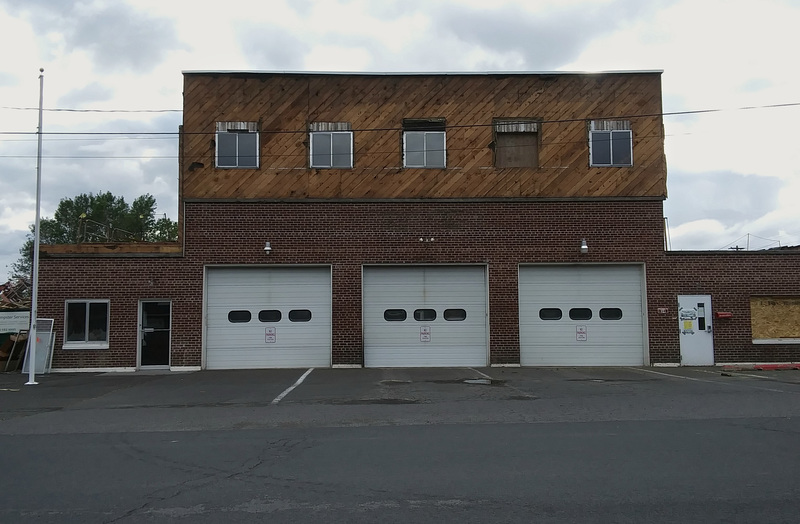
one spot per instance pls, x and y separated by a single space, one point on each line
117 36
8 80
730 198
127 166
755 85
92 93
546 40
9 251
272 47
714 209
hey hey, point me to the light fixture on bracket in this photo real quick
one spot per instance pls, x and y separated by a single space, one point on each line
584 246
268 248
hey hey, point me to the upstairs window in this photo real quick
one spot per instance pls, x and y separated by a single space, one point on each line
331 145
516 142
610 143
237 144
424 143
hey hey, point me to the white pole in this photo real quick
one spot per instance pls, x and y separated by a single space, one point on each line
32 336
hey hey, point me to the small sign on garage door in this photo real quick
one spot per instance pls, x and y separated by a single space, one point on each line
270 335
581 335
425 334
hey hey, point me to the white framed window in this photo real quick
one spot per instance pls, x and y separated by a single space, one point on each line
424 143
237 144
86 324
610 143
331 149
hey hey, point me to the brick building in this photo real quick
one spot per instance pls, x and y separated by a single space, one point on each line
418 220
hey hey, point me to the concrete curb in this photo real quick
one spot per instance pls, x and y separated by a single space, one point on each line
761 367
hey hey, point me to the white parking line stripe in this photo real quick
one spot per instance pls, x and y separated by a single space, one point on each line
672 376
481 373
290 388
773 390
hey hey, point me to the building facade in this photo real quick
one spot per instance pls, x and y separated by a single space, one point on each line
397 220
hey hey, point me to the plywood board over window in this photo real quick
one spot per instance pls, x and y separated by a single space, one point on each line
516 143
775 319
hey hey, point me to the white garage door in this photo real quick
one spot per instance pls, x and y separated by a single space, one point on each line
581 316
424 316
268 318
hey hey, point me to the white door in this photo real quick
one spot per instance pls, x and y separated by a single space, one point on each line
581 315
695 327
268 317
425 316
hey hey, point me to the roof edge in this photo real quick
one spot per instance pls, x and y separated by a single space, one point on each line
414 73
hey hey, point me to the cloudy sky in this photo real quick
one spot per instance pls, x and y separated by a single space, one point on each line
734 174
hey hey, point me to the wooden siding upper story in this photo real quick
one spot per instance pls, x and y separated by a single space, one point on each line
285 104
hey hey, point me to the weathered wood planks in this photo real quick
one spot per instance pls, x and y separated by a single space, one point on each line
375 105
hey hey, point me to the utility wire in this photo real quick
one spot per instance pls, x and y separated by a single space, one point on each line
70 110
399 128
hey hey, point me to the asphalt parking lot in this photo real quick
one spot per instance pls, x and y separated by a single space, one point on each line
434 445
345 397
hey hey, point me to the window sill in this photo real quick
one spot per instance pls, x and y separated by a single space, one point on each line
84 345
776 341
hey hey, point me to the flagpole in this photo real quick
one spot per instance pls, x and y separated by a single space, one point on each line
32 336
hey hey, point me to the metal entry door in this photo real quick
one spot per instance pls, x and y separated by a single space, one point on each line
696 330
154 334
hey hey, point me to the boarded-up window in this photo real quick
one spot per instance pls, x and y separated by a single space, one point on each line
516 143
775 318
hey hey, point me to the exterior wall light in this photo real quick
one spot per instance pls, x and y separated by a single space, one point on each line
584 246
268 248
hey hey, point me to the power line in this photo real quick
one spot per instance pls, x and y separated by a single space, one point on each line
89 139
71 110
395 128
359 153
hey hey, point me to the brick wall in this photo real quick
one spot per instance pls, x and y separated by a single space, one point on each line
731 278
346 236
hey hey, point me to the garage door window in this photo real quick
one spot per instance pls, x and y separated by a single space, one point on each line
299 315
550 313
269 315
580 313
455 315
425 315
610 313
394 315
239 316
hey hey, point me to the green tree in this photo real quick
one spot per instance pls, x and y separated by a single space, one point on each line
98 218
